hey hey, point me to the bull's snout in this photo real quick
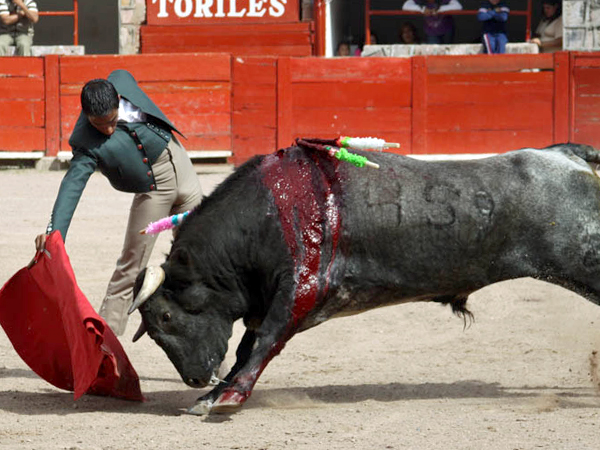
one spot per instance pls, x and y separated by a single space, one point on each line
195 383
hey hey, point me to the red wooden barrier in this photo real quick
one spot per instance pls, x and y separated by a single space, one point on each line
485 104
585 98
287 39
254 107
349 96
251 105
430 104
194 92
22 115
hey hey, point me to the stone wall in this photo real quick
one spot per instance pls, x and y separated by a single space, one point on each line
133 14
581 22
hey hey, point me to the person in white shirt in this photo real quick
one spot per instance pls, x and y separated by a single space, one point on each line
549 33
17 18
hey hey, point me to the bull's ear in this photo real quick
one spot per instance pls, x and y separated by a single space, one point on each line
181 256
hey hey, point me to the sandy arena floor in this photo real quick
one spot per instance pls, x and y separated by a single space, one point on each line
523 376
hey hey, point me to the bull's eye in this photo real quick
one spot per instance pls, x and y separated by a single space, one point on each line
167 316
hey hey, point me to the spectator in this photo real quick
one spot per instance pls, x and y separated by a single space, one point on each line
494 15
124 134
17 18
408 34
439 28
343 49
549 33
373 39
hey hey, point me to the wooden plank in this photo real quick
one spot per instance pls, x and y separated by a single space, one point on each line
255 70
491 77
352 94
419 105
284 101
22 88
326 119
585 101
28 67
254 97
224 29
216 101
587 133
22 139
487 63
177 38
52 104
587 111
173 67
214 142
587 81
262 50
249 96
346 69
475 88
562 71
247 147
207 124
475 117
584 59
254 123
492 141
21 113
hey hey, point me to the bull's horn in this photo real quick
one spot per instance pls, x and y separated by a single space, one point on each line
152 280
140 332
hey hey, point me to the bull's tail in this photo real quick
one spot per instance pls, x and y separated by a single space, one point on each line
585 152
459 306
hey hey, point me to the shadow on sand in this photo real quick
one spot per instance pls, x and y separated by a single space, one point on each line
174 403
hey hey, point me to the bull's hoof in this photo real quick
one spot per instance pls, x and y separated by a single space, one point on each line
202 408
228 402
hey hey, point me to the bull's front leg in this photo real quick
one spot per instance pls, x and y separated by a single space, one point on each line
253 354
205 403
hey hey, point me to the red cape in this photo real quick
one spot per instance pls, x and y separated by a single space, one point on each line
53 327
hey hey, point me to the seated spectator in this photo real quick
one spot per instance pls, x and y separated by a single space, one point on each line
343 49
373 41
493 14
439 28
549 33
16 25
408 34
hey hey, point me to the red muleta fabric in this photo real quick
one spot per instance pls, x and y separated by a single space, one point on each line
55 330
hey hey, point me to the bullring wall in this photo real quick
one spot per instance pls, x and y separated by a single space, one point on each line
249 105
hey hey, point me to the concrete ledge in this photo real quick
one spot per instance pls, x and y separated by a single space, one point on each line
51 163
406 51
41 50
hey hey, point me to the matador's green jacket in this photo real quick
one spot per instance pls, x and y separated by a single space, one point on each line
125 157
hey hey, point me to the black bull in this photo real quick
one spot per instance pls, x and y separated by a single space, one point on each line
295 238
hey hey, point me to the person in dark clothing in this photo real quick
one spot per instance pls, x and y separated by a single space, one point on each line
438 28
493 14
124 134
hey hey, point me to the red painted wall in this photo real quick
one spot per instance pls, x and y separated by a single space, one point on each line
255 104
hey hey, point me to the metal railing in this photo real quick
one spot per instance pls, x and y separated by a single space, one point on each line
74 13
463 12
